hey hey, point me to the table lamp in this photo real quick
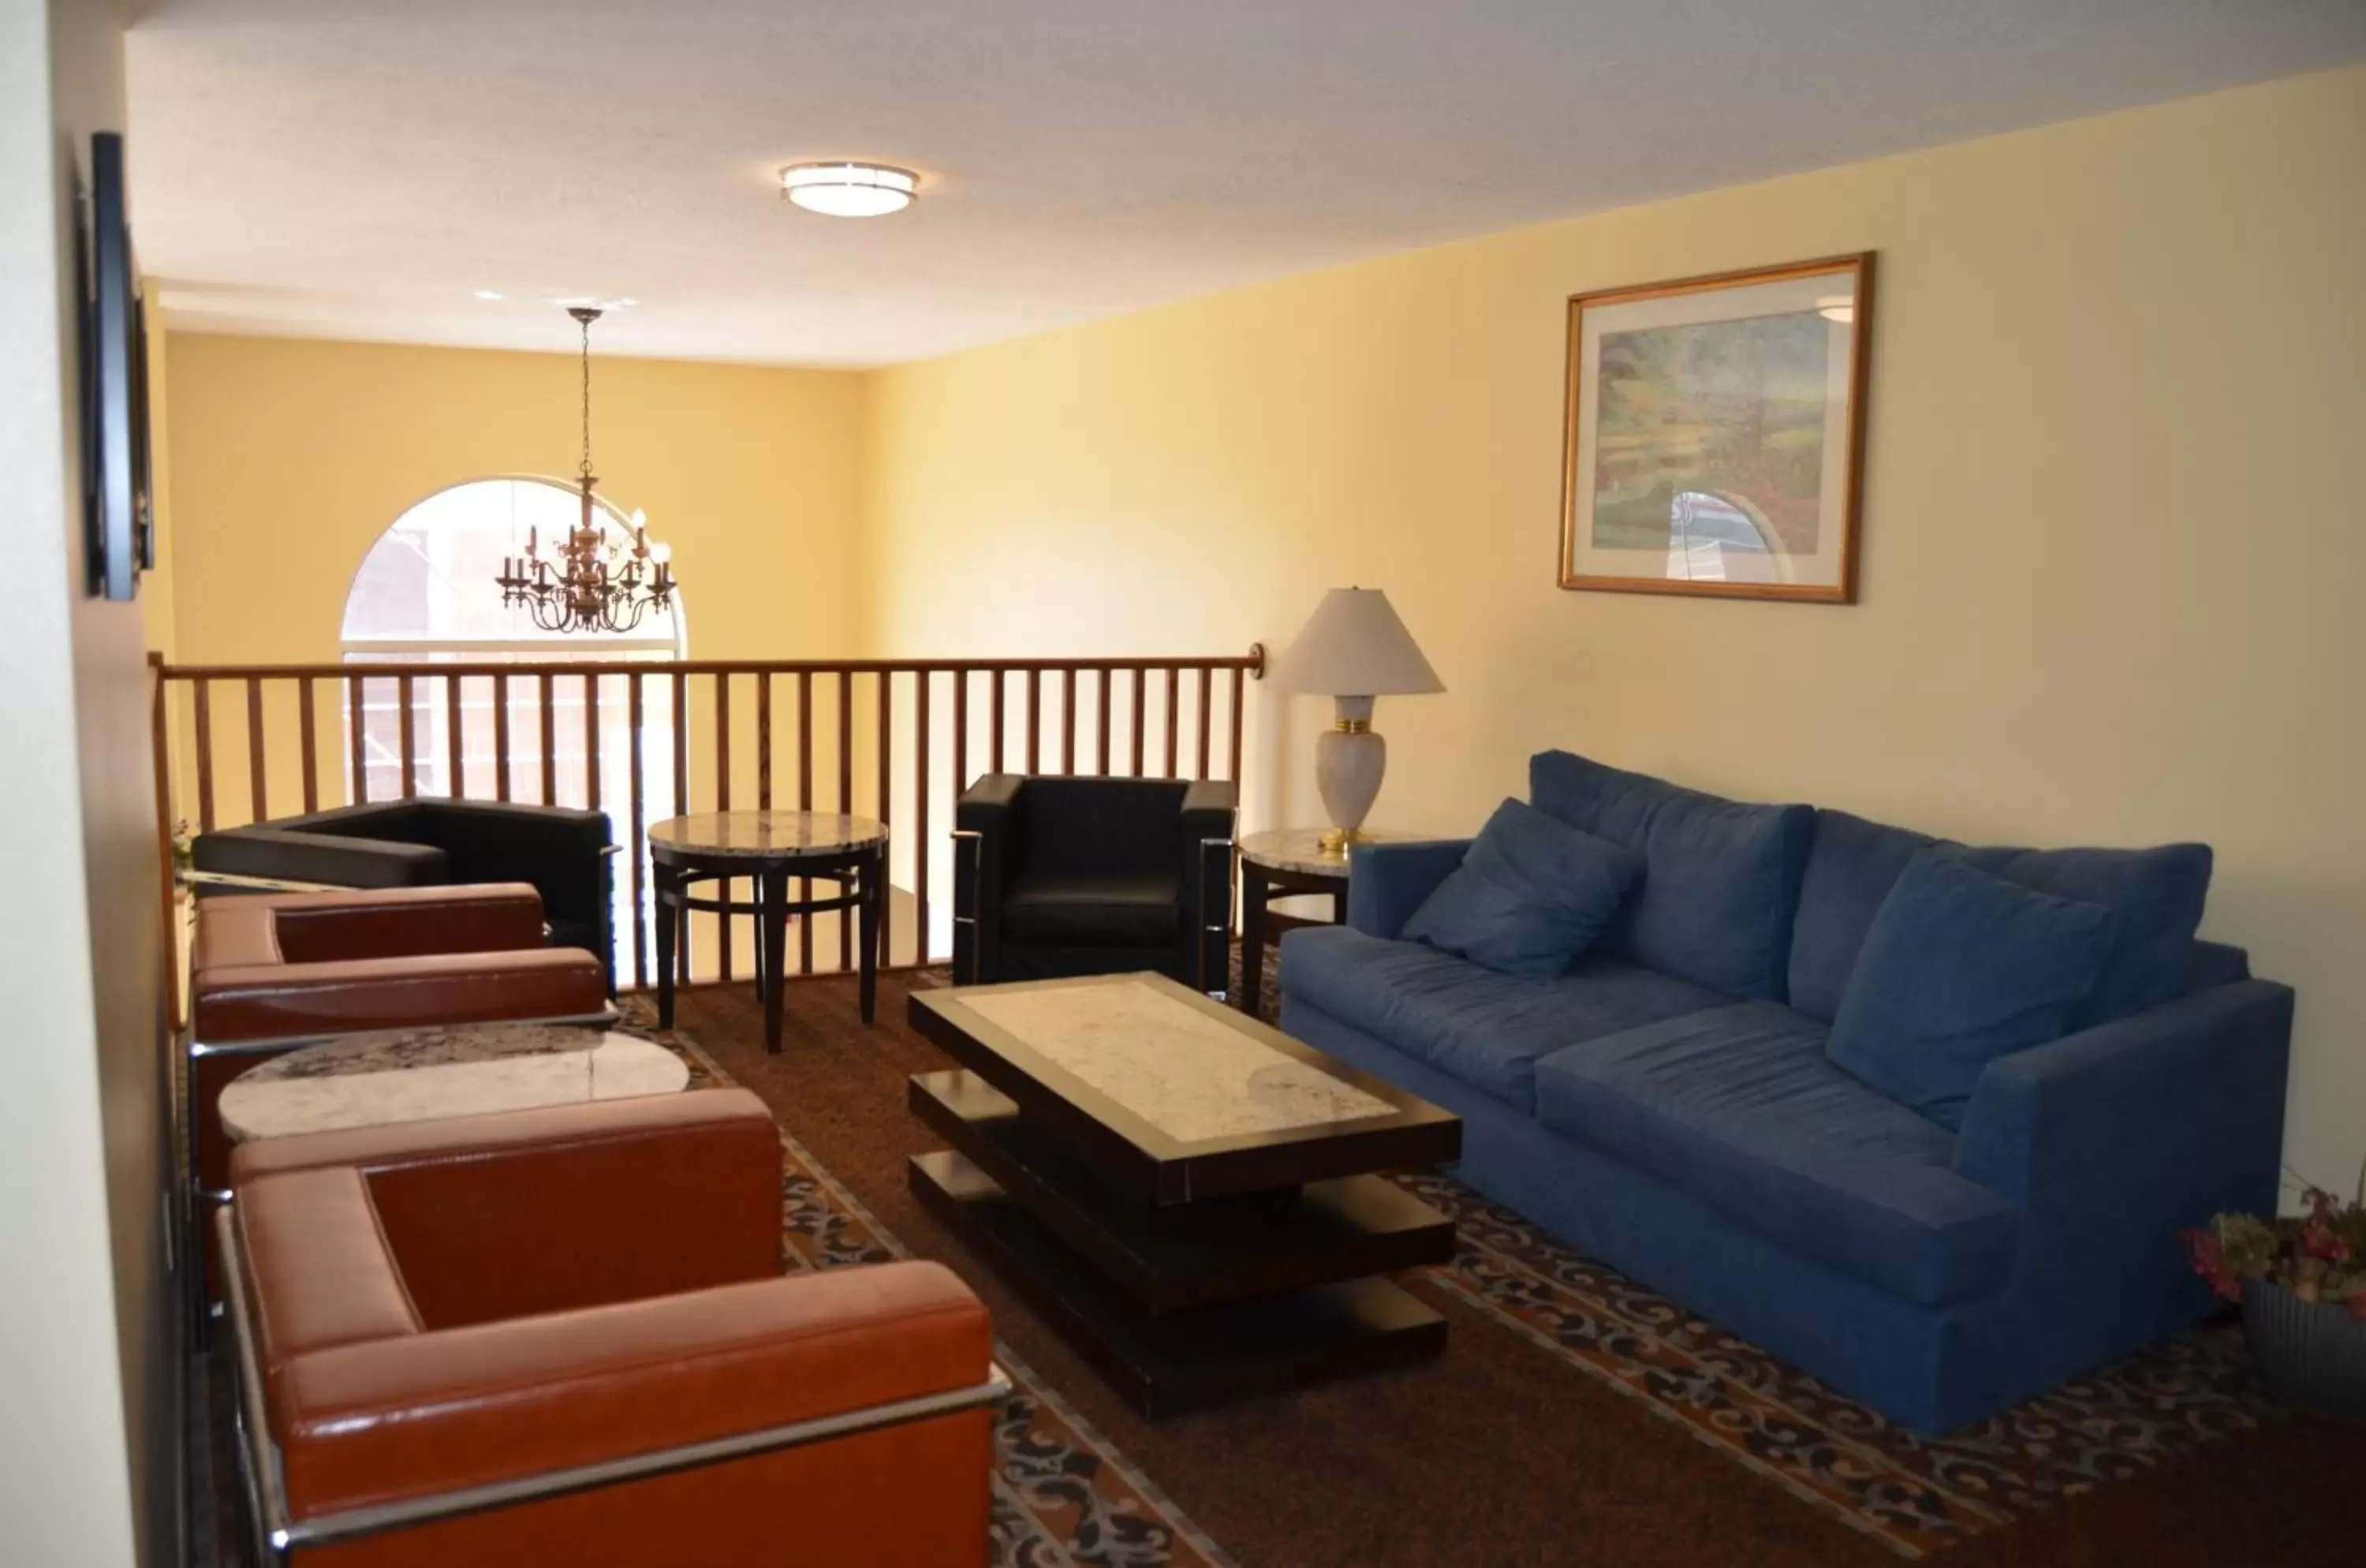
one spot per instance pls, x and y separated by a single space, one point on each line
1353 648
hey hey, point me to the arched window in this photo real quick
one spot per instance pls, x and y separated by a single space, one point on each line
425 595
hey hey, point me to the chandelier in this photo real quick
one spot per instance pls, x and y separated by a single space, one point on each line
589 582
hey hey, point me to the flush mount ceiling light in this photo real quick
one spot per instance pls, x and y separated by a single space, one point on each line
849 190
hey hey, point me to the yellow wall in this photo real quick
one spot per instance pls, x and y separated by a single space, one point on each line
2111 528
290 457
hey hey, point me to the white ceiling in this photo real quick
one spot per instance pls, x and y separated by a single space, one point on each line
357 168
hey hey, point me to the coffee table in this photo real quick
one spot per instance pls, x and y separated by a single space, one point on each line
1187 1194
417 1075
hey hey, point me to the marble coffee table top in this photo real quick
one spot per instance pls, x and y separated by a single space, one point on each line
766 835
1192 1075
1300 848
417 1075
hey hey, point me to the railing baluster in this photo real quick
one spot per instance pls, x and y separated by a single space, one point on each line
1034 721
1206 684
1240 686
921 680
723 803
887 682
409 739
961 731
1101 750
764 739
456 783
845 800
307 743
681 715
1140 714
1001 678
634 846
1174 717
1068 720
804 803
592 738
356 700
204 714
257 766
501 736
549 743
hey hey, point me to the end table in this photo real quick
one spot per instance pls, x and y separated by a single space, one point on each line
1283 860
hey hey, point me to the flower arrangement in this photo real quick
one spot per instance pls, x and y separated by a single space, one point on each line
2319 1254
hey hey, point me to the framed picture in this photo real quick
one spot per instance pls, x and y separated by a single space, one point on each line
1715 436
118 542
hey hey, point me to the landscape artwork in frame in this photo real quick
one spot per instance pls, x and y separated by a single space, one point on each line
1716 433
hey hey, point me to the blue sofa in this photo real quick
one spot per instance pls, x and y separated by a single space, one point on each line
1666 1105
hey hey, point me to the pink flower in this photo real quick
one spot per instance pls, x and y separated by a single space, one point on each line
2210 1261
2357 1307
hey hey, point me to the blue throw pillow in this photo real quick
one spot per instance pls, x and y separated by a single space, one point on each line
1530 894
2158 895
1962 968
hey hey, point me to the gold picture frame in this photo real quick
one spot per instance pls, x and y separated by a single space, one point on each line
1715 434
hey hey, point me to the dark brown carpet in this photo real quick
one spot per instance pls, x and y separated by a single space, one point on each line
1499 1452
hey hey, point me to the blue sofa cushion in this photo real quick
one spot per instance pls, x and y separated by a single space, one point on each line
1851 866
1530 894
1720 881
2158 895
1739 1107
1477 1026
1962 968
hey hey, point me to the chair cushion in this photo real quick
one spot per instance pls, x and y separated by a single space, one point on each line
1483 1028
1721 879
1851 865
1739 1107
1962 968
2158 895
1530 894
1094 909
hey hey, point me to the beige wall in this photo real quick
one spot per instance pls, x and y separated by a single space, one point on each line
290 457
2110 529
89 1426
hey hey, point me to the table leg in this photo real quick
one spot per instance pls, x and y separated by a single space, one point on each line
668 916
773 942
873 870
1255 891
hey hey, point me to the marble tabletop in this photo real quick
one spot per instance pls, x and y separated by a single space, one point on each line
1191 1077
766 835
1300 848
416 1075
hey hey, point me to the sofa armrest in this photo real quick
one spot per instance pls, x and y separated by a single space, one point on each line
2146 1124
420 1416
277 1001
319 857
529 1212
986 826
401 923
1211 817
1386 882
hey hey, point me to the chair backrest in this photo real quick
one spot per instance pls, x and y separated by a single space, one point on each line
1086 824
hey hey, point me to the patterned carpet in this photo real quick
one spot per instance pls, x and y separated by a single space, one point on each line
1066 1495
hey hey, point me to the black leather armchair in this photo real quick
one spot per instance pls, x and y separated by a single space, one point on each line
564 853
1063 875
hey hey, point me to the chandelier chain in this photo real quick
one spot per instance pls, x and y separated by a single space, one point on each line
585 319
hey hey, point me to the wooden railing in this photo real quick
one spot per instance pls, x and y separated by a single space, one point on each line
893 740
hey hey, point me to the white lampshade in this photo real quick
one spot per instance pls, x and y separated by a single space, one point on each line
1354 646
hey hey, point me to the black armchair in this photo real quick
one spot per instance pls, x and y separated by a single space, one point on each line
1063 875
564 853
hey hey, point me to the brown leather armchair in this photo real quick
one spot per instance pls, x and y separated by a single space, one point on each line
276 971
563 1336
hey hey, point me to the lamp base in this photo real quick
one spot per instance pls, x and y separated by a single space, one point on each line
1349 759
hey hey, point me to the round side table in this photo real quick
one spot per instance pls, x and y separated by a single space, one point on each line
1284 861
771 848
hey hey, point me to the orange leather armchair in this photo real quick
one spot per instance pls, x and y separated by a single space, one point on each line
276 971
563 1337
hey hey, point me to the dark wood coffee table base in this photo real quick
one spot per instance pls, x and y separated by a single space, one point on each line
1165 1364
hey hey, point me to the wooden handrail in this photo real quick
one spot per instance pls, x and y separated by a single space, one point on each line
908 773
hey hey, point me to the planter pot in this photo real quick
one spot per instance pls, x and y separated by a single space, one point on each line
2311 1356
